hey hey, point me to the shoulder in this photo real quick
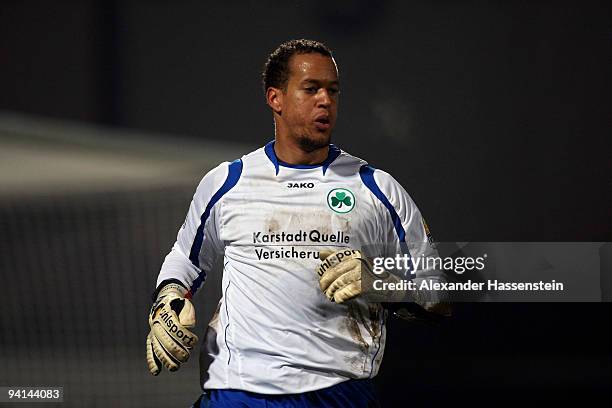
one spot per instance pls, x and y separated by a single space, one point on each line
380 182
217 175
387 190
345 164
220 179
385 181
347 161
257 162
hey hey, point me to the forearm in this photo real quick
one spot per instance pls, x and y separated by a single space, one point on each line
177 268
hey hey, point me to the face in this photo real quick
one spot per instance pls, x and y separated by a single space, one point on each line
308 107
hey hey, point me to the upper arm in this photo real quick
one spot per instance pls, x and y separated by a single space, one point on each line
408 234
198 240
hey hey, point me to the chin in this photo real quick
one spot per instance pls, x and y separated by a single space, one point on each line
310 143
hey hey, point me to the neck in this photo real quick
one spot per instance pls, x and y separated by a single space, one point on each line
290 152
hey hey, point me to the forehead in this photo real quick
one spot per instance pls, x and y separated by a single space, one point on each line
312 66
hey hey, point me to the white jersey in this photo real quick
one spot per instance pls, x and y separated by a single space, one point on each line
277 333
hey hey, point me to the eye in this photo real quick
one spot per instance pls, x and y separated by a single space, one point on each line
311 89
333 91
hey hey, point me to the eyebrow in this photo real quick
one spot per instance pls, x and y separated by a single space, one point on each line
317 82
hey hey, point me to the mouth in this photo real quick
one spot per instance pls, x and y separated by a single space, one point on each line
322 122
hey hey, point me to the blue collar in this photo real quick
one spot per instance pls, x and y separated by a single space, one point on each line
334 152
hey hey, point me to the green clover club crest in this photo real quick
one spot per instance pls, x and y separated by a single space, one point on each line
341 200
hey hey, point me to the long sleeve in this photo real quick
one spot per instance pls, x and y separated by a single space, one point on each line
197 243
406 235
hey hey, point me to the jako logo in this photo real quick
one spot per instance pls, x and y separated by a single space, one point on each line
300 185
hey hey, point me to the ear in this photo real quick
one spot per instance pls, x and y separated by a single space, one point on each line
274 98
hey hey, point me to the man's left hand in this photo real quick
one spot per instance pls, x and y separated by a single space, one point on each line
343 274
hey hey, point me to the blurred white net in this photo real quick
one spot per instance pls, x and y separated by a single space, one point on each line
83 234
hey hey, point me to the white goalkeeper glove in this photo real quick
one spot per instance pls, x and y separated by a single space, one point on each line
170 341
347 274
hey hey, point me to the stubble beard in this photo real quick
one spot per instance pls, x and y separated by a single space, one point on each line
309 143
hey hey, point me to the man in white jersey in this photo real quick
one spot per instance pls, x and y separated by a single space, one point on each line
281 336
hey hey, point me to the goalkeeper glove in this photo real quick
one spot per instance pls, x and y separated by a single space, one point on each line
347 274
170 341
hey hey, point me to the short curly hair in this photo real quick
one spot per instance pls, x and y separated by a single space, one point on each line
276 70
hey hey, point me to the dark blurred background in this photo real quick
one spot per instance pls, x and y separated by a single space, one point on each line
495 116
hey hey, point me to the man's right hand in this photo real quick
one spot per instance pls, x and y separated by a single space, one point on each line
170 341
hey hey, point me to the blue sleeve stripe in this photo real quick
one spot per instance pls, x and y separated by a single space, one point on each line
269 149
367 176
334 152
366 172
233 175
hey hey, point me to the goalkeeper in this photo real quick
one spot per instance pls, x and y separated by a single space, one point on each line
297 222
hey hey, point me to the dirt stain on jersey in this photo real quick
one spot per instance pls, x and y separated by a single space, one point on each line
320 220
273 225
352 326
368 317
341 223
374 317
357 362
300 220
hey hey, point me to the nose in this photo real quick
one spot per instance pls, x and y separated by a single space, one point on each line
324 100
